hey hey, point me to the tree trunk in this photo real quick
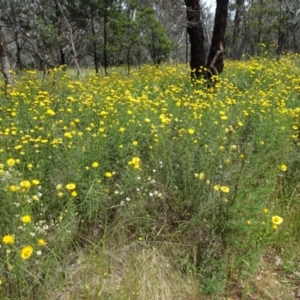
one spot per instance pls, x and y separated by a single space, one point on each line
260 22
282 35
5 63
214 64
105 38
19 47
95 55
58 15
215 61
236 29
196 35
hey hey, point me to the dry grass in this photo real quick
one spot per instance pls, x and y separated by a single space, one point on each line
137 271
268 283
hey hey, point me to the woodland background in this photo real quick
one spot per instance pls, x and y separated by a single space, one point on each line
103 33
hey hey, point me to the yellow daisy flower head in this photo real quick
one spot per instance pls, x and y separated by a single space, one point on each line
8 239
71 186
13 188
276 220
265 210
225 189
26 219
42 242
11 162
59 187
74 194
283 168
216 187
25 184
26 252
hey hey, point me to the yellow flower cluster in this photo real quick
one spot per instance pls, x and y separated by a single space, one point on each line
135 163
276 221
71 187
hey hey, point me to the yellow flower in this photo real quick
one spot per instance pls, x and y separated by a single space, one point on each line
216 187
74 194
201 176
25 184
135 162
68 135
265 210
35 182
11 162
191 131
26 252
42 242
225 189
8 239
276 220
26 219
50 112
13 188
283 167
58 187
36 198
71 186
108 174
95 164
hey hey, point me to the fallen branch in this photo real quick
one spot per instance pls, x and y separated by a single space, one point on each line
212 67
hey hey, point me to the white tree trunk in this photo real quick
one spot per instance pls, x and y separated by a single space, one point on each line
4 60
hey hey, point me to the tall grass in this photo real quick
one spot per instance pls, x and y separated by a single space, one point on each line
149 187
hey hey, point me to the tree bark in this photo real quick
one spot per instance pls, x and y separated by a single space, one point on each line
282 33
58 14
5 63
215 60
196 35
105 38
214 64
95 55
236 29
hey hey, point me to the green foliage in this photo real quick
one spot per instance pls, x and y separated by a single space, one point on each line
153 36
125 184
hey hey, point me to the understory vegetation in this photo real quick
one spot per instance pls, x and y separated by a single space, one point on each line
148 186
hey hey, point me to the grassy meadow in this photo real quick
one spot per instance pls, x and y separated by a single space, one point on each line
150 187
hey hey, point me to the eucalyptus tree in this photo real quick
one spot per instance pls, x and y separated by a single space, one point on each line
33 31
153 36
237 29
125 33
213 65
264 27
4 60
